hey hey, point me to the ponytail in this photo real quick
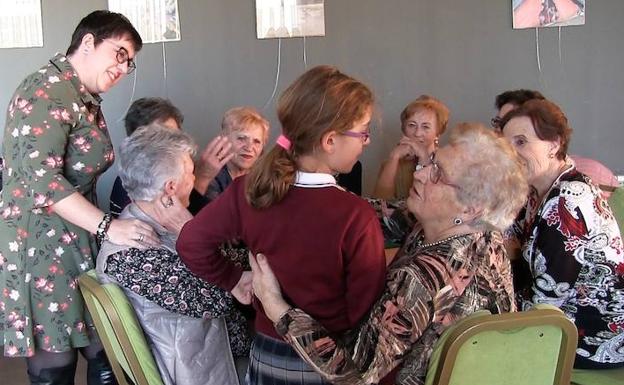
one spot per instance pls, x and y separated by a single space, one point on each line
270 178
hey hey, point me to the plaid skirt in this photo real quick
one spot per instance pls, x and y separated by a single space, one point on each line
274 362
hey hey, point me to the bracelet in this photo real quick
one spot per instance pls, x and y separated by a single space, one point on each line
101 234
283 322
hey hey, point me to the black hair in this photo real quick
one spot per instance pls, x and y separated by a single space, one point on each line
517 97
146 111
102 25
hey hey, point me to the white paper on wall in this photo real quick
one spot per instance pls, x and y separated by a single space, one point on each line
156 20
290 18
20 24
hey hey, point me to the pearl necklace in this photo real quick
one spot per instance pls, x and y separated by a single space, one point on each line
426 245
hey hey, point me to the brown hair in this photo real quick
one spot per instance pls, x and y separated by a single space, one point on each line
549 122
427 102
321 100
239 118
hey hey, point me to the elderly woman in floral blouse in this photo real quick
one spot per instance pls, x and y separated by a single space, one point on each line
452 264
187 320
572 254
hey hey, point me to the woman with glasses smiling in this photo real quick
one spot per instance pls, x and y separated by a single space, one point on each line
452 264
56 144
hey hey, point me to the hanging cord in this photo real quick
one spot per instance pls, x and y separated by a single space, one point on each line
277 73
559 43
305 59
164 56
537 50
134 81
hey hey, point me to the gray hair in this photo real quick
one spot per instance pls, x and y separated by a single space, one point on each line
151 156
493 177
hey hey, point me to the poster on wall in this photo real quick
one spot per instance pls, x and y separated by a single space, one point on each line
20 24
156 20
290 18
547 13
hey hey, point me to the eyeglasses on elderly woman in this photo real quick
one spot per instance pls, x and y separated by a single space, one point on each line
436 173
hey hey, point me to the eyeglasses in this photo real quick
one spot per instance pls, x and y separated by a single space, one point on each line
124 57
364 136
496 122
436 174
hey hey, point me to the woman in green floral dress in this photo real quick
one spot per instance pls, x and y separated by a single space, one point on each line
55 146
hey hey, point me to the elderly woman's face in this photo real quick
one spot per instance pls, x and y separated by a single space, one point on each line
422 128
533 151
433 196
247 145
186 181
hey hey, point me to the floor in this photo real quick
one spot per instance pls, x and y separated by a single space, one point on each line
13 371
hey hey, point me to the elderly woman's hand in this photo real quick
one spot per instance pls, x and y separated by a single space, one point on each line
172 217
403 149
216 154
133 233
266 288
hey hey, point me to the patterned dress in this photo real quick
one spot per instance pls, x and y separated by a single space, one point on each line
428 288
55 143
572 247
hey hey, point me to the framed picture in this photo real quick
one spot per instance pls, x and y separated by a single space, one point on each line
290 18
547 13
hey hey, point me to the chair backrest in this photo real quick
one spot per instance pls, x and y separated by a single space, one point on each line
616 202
120 332
534 347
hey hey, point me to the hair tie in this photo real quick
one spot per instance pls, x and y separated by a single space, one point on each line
283 142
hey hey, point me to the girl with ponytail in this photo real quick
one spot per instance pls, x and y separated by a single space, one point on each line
324 244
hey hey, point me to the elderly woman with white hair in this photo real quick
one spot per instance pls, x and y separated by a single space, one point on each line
191 325
452 264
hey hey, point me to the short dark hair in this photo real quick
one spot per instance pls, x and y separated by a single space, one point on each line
102 25
549 122
517 97
146 111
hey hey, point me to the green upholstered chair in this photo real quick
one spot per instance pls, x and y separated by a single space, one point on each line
598 377
616 202
535 347
121 334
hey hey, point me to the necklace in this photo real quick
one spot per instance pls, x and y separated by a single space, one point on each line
431 244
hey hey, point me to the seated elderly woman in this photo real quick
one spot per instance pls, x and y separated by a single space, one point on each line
422 123
572 255
188 321
453 264
248 131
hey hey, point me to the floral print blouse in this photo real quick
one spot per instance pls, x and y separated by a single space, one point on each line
428 288
572 249
56 143
161 277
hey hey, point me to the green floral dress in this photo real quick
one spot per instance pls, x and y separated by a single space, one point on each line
55 143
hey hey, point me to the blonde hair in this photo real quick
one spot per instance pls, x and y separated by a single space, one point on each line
240 118
323 99
493 177
427 102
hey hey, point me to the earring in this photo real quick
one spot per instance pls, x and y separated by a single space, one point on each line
436 142
551 155
458 221
168 203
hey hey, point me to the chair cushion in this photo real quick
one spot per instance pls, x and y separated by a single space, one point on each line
616 202
598 377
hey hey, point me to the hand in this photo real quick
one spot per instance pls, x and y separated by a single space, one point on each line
404 149
242 290
216 154
132 233
266 287
172 217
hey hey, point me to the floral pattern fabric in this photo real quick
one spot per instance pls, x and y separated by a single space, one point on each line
55 143
428 288
572 247
160 276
